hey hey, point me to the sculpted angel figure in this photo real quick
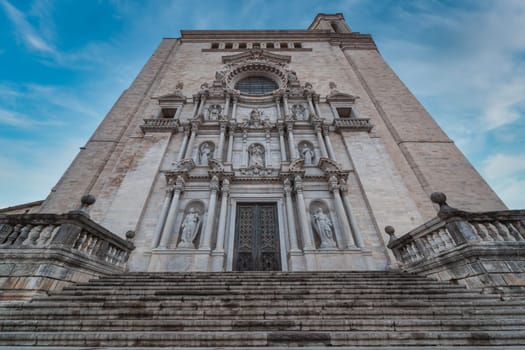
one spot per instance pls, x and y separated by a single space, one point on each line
323 227
190 227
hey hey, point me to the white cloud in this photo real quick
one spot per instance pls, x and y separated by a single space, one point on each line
19 120
26 32
502 165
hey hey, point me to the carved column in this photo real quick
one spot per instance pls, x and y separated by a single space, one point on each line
267 153
291 141
163 213
229 151
191 143
221 141
196 103
281 142
234 109
339 208
316 106
290 215
219 247
329 147
244 155
358 239
226 107
201 106
172 213
214 187
310 105
303 220
278 107
183 145
320 141
286 108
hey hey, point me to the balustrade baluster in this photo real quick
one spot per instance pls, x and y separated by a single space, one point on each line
34 234
514 231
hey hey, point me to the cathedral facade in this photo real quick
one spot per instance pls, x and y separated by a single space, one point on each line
284 150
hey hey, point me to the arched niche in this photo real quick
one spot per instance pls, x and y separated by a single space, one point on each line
307 152
191 225
205 152
256 155
322 225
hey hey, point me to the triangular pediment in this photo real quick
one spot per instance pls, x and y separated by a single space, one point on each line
256 54
176 96
342 97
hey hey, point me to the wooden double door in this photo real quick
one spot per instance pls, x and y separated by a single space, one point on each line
257 238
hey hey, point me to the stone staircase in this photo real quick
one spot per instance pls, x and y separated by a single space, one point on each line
271 309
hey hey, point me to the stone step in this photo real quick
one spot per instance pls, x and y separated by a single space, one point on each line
245 325
266 291
263 312
350 303
318 298
270 338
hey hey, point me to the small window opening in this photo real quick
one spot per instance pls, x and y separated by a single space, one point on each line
215 45
270 45
344 112
256 45
256 85
168 112
297 45
334 27
242 45
228 46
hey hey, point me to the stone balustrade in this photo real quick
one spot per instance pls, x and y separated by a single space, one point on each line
68 231
160 125
437 235
485 248
358 124
43 252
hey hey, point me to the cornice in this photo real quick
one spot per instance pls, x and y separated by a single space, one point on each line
343 39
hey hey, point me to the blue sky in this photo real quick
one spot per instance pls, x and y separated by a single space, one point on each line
63 64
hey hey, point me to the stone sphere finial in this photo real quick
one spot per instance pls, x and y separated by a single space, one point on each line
87 199
438 198
130 235
390 231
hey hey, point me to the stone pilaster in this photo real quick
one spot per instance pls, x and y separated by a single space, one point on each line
172 213
214 187
303 220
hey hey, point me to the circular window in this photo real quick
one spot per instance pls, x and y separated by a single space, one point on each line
256 85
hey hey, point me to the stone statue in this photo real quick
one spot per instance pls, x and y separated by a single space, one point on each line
307 154
323 227
256 153
190 227
205 153
214 112
298 111
333 88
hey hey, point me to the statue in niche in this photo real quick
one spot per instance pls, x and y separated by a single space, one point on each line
190 227
324 229
299 112
256 153
214 112
206 153
307 154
